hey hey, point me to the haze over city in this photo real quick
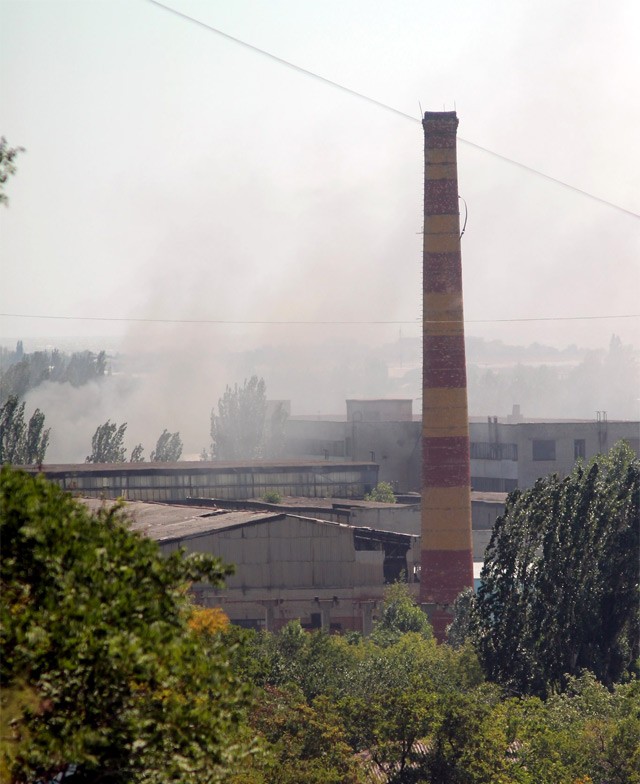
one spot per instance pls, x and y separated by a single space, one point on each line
173 175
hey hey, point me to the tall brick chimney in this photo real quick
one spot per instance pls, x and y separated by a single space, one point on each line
447 548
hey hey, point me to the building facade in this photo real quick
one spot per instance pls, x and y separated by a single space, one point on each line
188 480
325 574
505 454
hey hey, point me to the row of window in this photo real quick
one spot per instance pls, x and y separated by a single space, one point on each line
545 449
485 450
117 481
541 448
489 484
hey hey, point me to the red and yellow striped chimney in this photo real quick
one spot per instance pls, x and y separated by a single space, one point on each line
447 548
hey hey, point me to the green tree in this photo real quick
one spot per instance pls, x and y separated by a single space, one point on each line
137 455
302 743
460 629
82 366
27 371
272 497
584 735
382 492
7 166
276 417
388 724
316 663
559 590
400 614
107 444
238 429
168 448
393 699
470 743
22 443
99 665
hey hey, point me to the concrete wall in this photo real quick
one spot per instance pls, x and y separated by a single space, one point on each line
598 437
394 517
407 519
382 410
394 446
485 510
502 453
293 567
316 440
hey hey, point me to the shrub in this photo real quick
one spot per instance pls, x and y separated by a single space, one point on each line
382 492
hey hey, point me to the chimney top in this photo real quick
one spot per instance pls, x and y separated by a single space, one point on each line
440 122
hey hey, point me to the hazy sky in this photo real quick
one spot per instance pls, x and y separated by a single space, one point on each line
173 174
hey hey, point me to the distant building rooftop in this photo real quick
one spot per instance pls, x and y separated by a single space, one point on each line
166 523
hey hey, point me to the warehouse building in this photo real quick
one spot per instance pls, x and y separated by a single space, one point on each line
186 480
326 574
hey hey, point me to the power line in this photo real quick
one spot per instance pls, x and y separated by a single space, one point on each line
386 107
312 322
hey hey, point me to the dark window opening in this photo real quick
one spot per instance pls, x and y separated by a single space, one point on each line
544 449
491 450
395 547
487 484
579 448
395 570
316 620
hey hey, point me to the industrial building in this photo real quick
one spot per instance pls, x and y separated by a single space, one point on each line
331 573
505 452
327 574
511 453
186 480
322 561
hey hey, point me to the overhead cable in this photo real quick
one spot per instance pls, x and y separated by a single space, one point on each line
326 322
386 107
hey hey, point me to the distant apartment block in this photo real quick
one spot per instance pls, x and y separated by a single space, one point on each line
506 455
506 452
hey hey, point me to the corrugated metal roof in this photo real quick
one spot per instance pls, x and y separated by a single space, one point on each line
198 466
165 522
191 527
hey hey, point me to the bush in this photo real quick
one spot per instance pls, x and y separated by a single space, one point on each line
382 492
96 630
400 614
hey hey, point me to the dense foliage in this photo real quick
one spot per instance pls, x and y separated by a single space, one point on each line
346 709
100 667
559 589
168 448
21 372
22 443
245 428
400 614
107 667
382 492
7 166
107 444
